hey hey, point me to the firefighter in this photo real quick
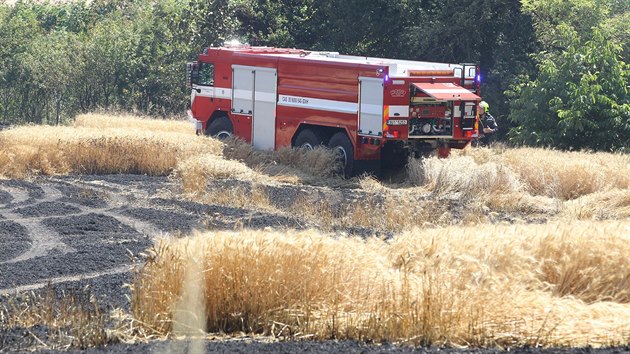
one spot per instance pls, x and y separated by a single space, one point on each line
487 122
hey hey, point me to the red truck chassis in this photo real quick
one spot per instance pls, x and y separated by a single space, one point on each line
371 110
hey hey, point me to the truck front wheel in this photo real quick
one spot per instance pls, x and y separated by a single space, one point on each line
345 152
220 128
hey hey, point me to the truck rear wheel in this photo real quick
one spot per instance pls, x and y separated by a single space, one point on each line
220 128
307 139
345 152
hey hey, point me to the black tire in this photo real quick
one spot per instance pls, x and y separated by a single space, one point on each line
342 145
308 139
220 128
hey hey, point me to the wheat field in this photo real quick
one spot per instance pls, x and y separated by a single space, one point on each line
542 285
492 247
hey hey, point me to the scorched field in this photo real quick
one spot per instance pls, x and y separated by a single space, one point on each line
121 233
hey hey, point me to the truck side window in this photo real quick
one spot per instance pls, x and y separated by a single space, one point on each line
206 74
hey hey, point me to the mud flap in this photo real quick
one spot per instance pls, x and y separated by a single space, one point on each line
370 167
443 152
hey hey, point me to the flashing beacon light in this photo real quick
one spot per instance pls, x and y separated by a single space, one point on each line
386 77
233 43
479 78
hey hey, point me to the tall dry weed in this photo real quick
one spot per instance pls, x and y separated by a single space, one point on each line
463 176
523 204
567 175
195 172
254 197
73 318
529 181
307 165
471 286
377 212
608 205
591 263
257 282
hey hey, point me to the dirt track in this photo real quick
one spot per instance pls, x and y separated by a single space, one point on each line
80 231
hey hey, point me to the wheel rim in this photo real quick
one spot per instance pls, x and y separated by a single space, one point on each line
223 134
307 146
343 156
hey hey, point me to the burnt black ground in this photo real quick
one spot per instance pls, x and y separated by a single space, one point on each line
14 239
81 234
244 346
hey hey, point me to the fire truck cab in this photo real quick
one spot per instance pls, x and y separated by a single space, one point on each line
368 109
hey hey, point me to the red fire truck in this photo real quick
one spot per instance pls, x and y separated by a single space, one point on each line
368 109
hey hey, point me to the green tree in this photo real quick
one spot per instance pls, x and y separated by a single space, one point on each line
579 100
171 32
275 23
617 29
50 74
359 27
18 27
108 64
551 17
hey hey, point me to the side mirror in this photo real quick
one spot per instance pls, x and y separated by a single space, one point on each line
192 73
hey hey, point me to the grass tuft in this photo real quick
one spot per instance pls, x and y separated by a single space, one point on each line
567 175
72 317
463 176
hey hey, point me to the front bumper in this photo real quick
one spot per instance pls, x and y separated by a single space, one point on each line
198 124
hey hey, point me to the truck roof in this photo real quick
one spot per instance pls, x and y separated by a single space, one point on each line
397 67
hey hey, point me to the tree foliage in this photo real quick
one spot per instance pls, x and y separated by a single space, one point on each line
579 95
578 100
61 58
553 70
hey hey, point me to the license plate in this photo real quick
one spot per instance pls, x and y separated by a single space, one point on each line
397 122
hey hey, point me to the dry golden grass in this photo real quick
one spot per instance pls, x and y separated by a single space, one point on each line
240 197
100 143
475 185
531 182
386 211
558 174
613 204
566 283
195 172
286 165
138 145
542 285
241 162
463 175
74 319
124 121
